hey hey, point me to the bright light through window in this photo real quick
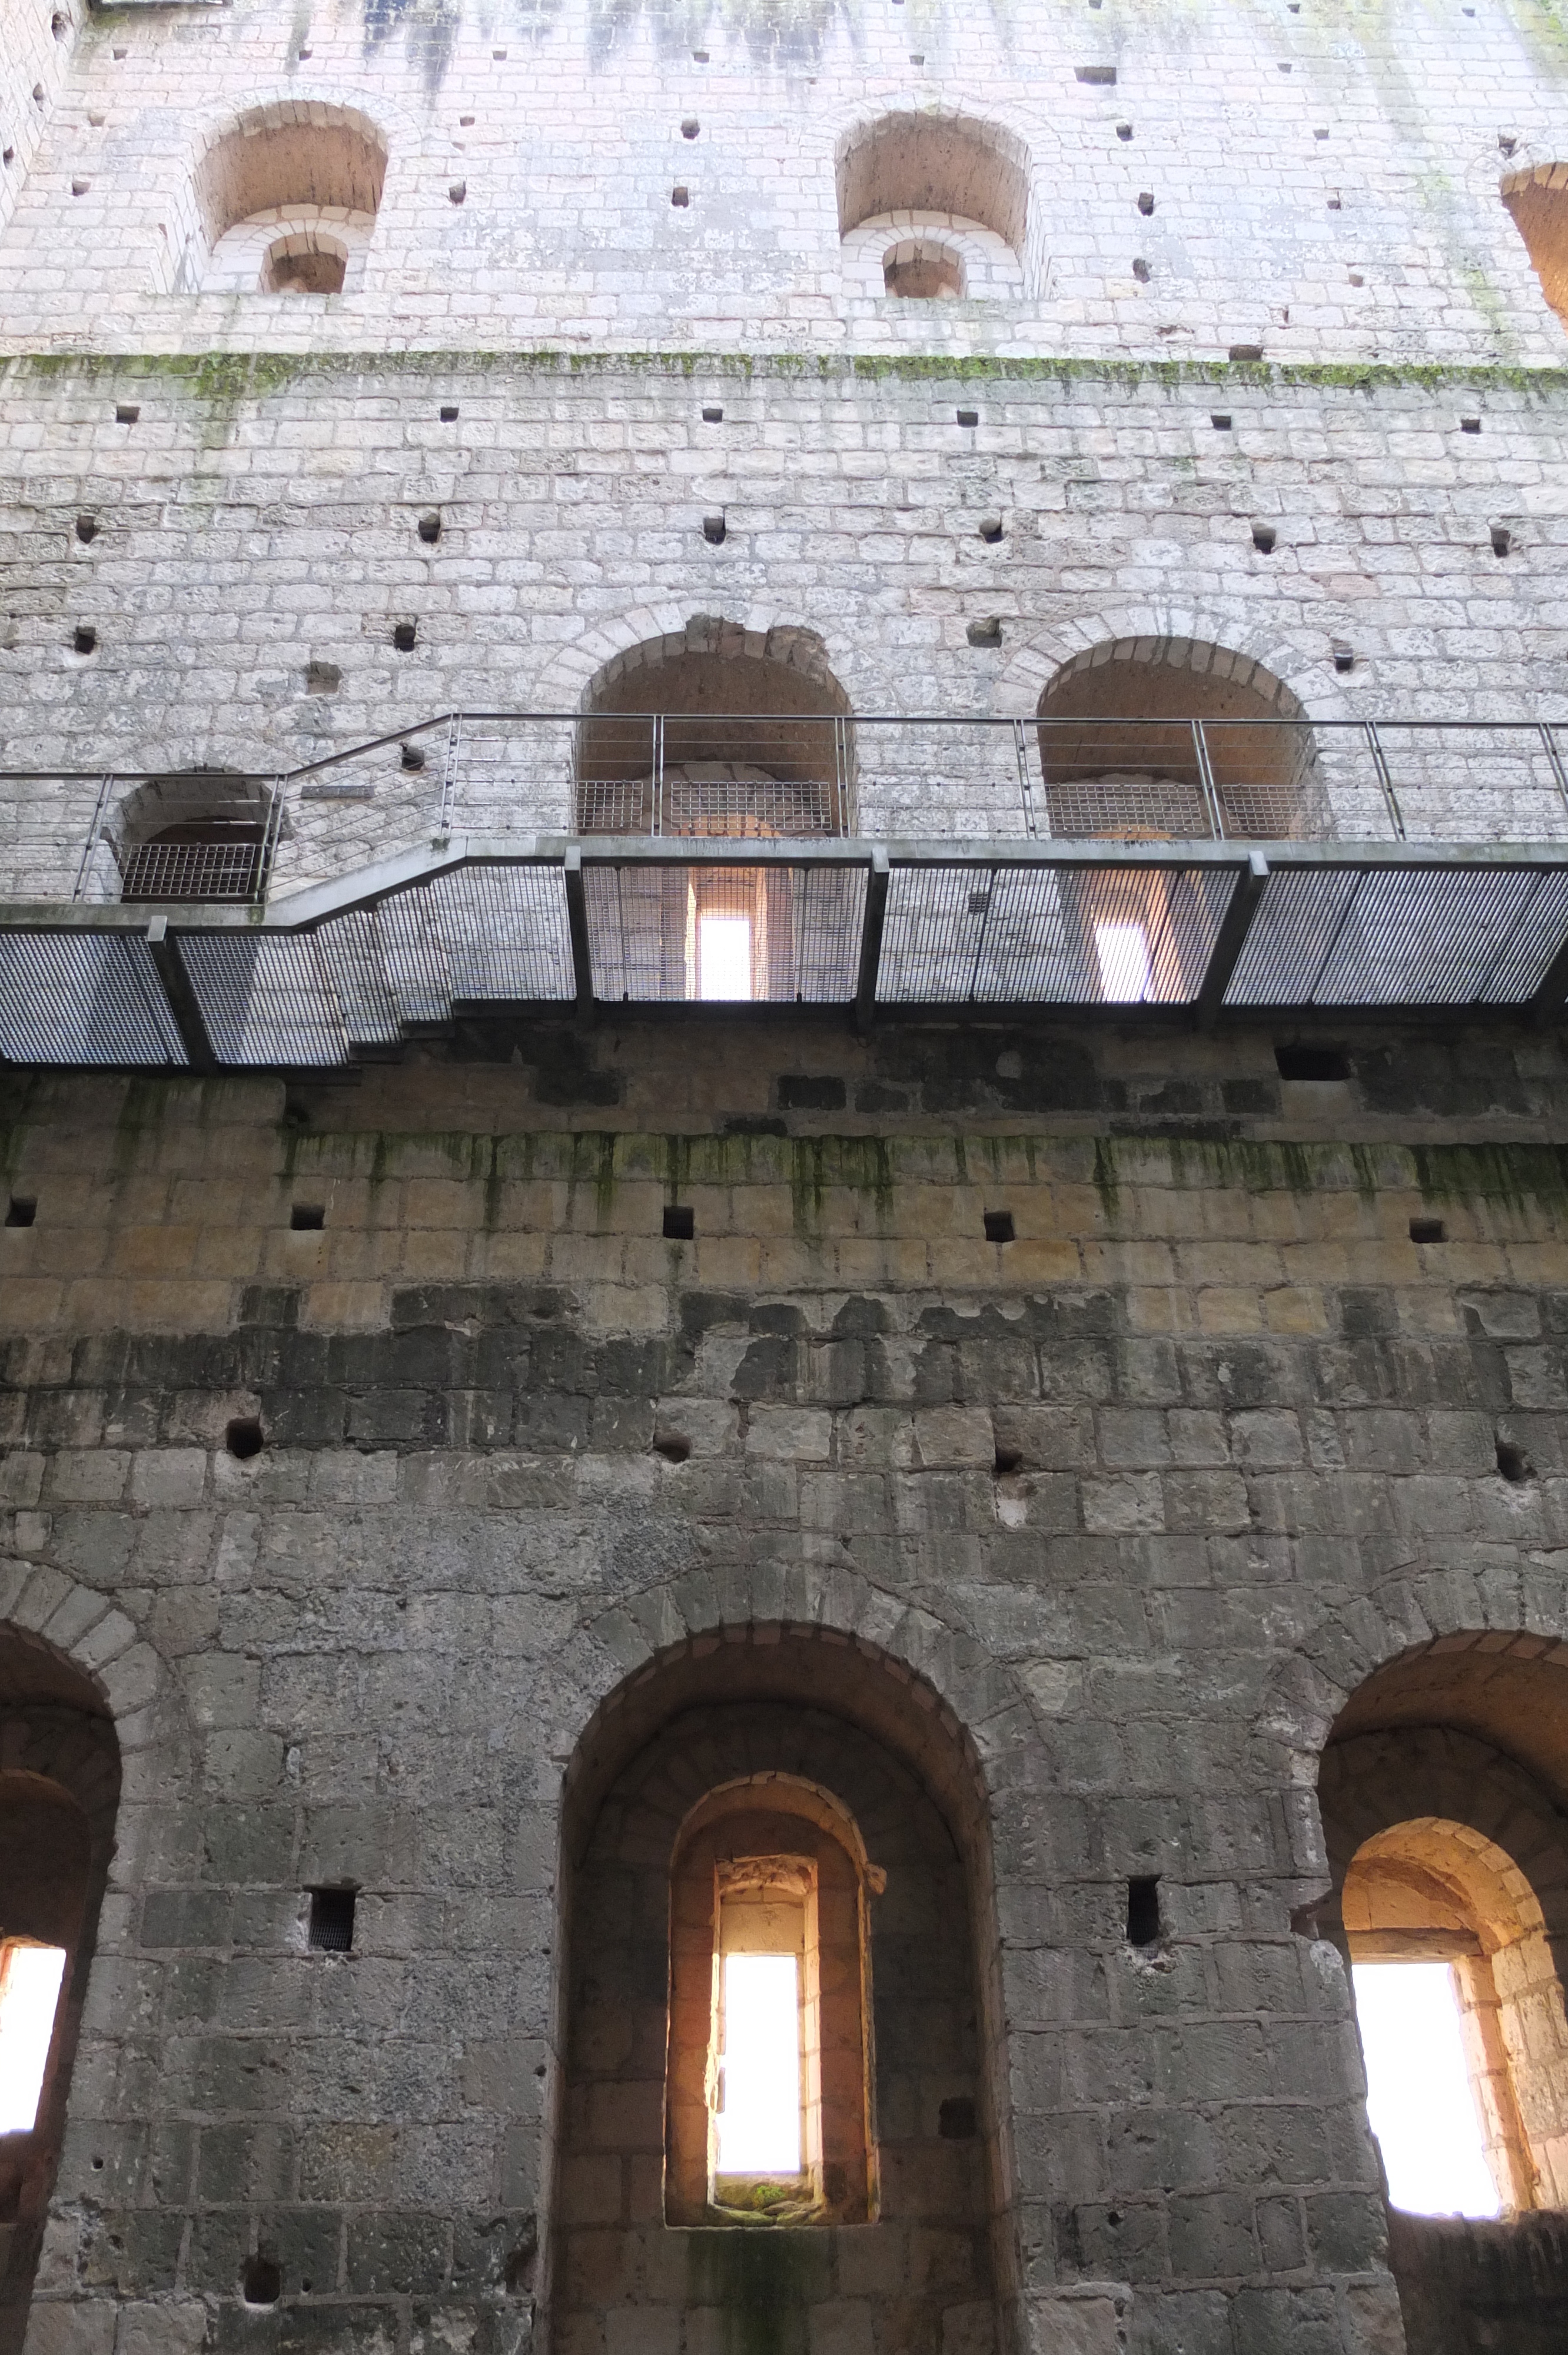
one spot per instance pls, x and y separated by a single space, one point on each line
1419 2099
29 1990
759 2125
724 956
1123 953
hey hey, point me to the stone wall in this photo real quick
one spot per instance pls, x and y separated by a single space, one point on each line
256 519
1136 1500
1327 184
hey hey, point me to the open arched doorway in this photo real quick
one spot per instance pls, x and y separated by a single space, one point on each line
791 1806
1170 739
717 731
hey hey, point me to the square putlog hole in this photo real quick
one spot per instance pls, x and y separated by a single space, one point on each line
307 1218
332 1920
1427 1231
680 1223
998 1227
21 1210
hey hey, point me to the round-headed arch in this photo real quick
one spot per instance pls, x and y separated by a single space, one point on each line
716 728
1139 737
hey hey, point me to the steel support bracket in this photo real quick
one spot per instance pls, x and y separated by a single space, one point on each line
1230 941
164 949
578 928
870 938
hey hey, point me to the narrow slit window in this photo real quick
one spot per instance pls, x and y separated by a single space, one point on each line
1420 2096
30 1977
1122 952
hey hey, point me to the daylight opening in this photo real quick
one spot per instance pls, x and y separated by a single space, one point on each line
1122 951
724 956
1419 2092
760 2066
30 1977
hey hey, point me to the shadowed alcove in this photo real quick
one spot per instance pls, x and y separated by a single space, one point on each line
59 1789
785 1794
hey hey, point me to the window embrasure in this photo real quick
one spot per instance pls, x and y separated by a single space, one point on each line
768 2102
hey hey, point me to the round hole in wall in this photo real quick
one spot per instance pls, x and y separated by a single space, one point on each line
404 635
84 639
86 530
691 127
60 24
243 1438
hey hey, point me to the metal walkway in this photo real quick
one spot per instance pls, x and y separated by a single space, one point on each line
1193 933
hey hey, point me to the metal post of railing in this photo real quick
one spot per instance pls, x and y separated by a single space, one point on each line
1375 746
842 763
658 785
1554 756
1206 782
93 831
450 777
1025 782
270 830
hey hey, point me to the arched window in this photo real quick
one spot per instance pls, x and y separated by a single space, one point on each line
1450 1865
199 836
933 205
59 1783
1162 740
779 2011
1538 200
286 200
769 2090
1451 1967
720 731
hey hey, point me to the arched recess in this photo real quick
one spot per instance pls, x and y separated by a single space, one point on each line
889 1775
717 730
60 1793
1441 1847
1175 738
933 204
1538 201
285 198
200 834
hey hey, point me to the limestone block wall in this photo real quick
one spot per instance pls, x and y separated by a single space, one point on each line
1326 184
37 46
253 543
1136 1500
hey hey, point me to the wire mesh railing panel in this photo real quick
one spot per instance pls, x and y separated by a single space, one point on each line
507 931
266 1001
1423 938
725 778
960 778
91 998
1049 935
773 935
1474 782
191 871
509 777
